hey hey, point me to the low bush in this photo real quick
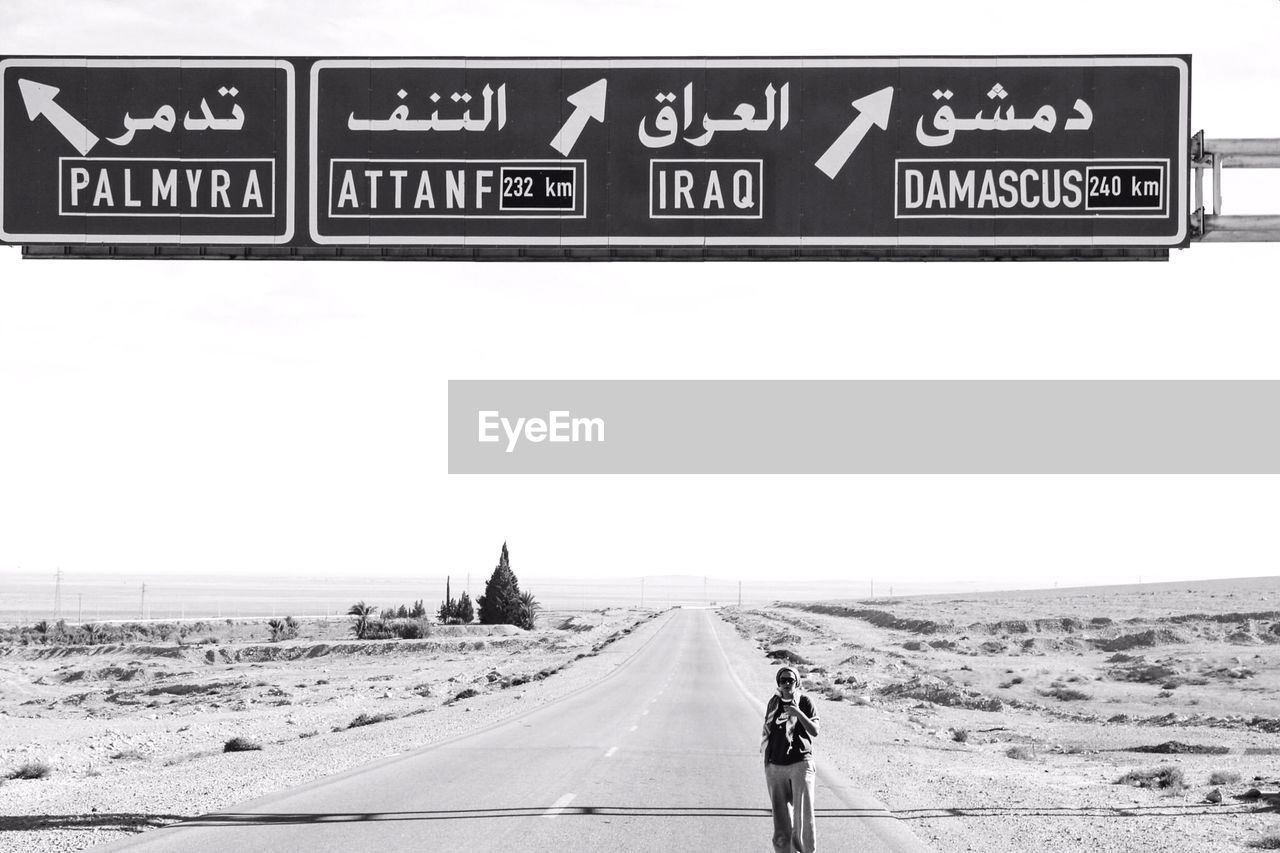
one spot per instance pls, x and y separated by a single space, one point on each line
241 744
129 755
1164 778
1266 842
1020 753
31 770
397 629
960 735
1224 777
1066 694
369 719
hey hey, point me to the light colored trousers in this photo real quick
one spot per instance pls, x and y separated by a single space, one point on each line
791 795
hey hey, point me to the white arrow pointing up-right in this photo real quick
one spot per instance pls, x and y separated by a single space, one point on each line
588 103
872 110
38 99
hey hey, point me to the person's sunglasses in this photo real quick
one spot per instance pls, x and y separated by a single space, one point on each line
786 681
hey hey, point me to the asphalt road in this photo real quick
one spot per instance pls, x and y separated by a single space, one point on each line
659 756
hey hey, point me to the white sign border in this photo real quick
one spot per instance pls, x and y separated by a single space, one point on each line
1161 241
283 238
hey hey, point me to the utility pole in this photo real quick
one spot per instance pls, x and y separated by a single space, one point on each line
739 595
642 592
57 595
142 606
704 591
80 607
873 587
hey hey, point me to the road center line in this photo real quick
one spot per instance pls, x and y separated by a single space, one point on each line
610 753
633 728
645 711
559 806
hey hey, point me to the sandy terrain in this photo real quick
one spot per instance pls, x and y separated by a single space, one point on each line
134 734
1001 722
987 722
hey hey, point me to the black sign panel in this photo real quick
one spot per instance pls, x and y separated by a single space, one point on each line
186 151
787 152
689 156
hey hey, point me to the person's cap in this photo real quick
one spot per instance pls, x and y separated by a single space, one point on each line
787 669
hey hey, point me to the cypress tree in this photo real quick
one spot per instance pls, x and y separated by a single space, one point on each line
500 604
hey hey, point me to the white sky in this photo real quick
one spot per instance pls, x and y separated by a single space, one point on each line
289 417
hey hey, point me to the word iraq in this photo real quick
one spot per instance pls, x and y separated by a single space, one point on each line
558 426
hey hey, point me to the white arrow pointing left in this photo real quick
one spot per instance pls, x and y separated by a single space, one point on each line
38 98
588 103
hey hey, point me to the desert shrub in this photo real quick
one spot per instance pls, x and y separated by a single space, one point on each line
283 629
241 744
1266 842
1066 694
311 733
1166 778
1017 679
377 629
960 735
1020 753
464 694
1224 777
369 719
31 770
129 755
411 628
421 689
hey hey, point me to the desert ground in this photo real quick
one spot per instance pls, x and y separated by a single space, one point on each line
1006 721
1108 719
133 734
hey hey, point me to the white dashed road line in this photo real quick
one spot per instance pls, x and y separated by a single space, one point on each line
559 806
610 753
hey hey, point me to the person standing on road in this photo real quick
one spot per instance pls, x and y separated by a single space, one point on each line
790 725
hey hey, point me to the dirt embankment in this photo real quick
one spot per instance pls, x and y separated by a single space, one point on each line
1045 717
881 618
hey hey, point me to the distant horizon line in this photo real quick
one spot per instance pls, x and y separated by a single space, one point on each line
938 586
